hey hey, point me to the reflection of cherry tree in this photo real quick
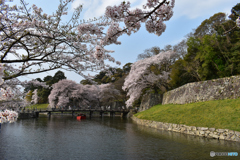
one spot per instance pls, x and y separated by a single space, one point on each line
141 76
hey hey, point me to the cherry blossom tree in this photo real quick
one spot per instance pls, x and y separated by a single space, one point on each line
34 97
68 92
107 93
9 92
141 76
37 42
6 95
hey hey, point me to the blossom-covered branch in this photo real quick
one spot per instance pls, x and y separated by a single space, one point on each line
38 42
8 116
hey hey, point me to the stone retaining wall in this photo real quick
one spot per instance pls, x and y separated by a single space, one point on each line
149 100
224 134
216 89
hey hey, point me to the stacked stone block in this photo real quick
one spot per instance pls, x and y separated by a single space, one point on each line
224 134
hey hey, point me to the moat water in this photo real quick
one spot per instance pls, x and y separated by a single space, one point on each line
62 137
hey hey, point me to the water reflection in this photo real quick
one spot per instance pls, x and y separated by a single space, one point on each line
63 137
189 146
185 138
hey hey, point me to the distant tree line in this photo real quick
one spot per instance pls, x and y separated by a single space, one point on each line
213 51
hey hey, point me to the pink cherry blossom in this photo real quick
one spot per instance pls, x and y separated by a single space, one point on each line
8 116
84 95
141 77
34 97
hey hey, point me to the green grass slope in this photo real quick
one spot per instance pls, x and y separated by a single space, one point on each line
38 106
224 114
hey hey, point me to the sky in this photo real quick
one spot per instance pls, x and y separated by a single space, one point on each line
188 15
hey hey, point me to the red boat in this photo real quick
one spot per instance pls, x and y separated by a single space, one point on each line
81 116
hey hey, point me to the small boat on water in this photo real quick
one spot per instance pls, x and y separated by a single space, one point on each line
81 116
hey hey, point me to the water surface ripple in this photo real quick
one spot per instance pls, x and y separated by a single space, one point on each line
65 138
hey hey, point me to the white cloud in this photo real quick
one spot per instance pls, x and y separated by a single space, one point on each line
189 8
96 8
197 8
81 2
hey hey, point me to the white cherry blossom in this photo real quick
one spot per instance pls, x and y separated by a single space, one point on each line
141 77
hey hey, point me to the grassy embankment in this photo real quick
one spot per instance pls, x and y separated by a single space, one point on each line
38 106
221 114
44 107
